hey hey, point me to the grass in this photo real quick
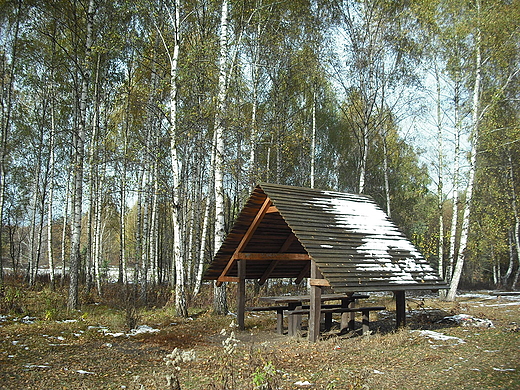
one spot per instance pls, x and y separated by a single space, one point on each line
51 351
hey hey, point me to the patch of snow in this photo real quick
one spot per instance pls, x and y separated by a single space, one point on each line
117 334
303 383
36 366
467 320
378 372
503 304
28 320
439 336
504 369
326 246
84 372
143 329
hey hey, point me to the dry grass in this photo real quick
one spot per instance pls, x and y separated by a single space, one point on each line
47 353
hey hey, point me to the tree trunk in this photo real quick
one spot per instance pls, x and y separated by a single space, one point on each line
50 251
79 139
516 234
457 273
456 175
387 182
220 300
363 161
180 293
313 140
509 271
440 181
6 108
64 230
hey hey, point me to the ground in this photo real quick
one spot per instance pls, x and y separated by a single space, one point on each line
91 349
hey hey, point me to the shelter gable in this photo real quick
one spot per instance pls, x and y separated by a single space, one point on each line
355 246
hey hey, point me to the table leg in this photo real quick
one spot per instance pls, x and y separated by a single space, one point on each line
328 321
348 319
294 321
365 320
279 321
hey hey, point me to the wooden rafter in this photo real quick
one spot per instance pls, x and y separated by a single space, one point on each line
274 257
273 264
303 273
245 239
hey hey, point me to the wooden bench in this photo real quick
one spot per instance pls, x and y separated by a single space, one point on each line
365 312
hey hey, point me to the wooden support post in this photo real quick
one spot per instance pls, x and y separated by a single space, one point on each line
315 305
365 321
241 298
348 319
279 321
400 309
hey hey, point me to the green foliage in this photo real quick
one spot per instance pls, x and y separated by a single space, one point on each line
12 300
286 58
264 377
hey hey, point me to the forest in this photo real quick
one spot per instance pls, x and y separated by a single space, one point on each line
132 132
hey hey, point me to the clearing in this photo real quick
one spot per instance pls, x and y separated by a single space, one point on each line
477 347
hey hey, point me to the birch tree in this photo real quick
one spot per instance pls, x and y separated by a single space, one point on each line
78 153
173 57
8 63
220 300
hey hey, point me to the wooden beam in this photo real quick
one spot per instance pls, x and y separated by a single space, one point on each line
303 274
272 209
222 279
273 264
247 236
319 282
272 256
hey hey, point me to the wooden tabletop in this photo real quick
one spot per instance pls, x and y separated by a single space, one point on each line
305 298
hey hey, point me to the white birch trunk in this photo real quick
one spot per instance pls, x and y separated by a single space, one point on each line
440 182
456 175
205 226
180 293
153 228
516 234
202 251
509 271
313 140
50 252
363 162
32 237
220 301
457 273
387 182
73 300
96 250
122 230
64 230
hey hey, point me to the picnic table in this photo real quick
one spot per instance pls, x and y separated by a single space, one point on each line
296 306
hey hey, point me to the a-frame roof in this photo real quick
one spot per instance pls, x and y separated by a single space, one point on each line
352 241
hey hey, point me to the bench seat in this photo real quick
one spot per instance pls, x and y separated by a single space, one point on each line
365 311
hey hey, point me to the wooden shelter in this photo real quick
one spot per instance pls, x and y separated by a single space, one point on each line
338 240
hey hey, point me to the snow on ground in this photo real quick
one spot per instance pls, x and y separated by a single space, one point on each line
439 336
467 320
